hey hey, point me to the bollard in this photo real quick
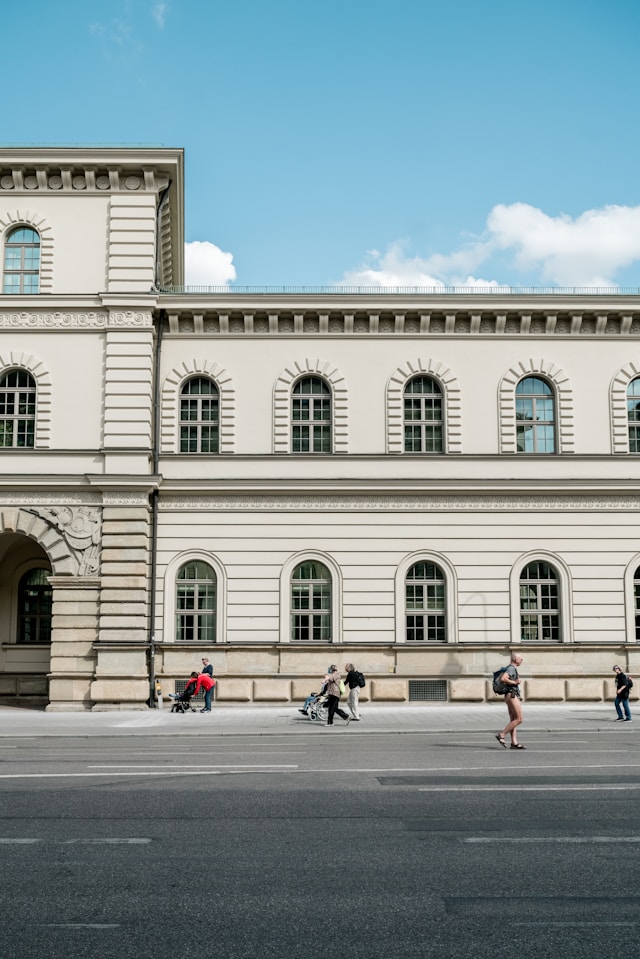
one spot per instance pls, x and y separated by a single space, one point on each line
159 694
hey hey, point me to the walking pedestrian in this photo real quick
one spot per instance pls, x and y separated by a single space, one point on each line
352 682
622 696
332 680
511 679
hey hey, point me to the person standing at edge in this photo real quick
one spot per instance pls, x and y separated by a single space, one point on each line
512 699
353 699
207 667
332 680
207 683
622 696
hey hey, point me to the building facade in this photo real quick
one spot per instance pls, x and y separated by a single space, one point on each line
413 482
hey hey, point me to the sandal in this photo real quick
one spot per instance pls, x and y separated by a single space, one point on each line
517 746
501 740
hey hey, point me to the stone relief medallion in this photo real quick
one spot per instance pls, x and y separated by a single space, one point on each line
6 183
81 529
55 182
132 183
79 183
103 182
31 183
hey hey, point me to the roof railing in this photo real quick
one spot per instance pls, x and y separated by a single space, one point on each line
409 290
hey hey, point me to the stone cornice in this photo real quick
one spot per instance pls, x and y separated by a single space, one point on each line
543 317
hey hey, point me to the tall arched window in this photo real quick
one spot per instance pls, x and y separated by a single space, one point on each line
311 416
539 604
633 414
196 603
425 605
199 416
21 261
636 601
535 416
311 603
17 409
423 421
34 607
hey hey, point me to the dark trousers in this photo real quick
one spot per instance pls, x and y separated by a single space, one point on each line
333 704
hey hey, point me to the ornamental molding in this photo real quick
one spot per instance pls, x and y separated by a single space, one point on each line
282 403
73 178
171 392
44 391
451 400
69 535
399 503
618 406
27 499
565 433
40 320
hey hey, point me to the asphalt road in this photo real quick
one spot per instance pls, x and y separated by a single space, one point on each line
331 844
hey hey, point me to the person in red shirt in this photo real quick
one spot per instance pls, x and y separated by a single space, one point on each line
208 685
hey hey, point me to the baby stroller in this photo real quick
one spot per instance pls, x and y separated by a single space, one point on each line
182 702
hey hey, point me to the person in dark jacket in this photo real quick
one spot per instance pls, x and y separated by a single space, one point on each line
207 667
622 696
205 682
353 685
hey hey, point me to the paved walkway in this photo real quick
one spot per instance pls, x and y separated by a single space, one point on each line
286 720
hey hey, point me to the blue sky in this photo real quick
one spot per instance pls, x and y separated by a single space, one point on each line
369 143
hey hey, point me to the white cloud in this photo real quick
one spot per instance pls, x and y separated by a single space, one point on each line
588 250
207 265
159 13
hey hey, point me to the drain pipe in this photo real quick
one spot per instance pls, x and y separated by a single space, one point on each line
154 511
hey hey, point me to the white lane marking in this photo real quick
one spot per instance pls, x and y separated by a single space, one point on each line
584 788
80 925
552 839
89 842
196 766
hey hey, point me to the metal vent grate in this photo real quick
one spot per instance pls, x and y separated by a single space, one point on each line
180 685
427 691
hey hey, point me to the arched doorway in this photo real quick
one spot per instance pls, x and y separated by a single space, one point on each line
25 619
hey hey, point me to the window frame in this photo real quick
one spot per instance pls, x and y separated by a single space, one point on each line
314 427
168 592
200 614
19 423
316 587
40 616
22 272
432 617
423 423
535 424
565 595
198 425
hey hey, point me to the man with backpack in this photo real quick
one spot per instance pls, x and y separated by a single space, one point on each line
354 680
623 688
510 687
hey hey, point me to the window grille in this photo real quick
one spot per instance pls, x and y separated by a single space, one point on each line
428 691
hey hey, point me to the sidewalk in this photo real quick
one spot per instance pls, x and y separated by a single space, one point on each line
16 722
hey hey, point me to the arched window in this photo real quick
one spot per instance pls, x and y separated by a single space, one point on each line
636 601
17 409
633 414
425 605
21 261
423 420
539 604
199 416
311 416
311 603
34 607
535 416
196 603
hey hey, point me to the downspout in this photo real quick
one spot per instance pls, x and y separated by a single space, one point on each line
155 459
154 511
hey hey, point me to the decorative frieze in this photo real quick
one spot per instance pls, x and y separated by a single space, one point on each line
371 503
59 320
80 179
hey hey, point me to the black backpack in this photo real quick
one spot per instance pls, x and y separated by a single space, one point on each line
629 682
499 687
361 680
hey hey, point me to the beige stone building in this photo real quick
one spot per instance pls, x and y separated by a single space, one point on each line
414 482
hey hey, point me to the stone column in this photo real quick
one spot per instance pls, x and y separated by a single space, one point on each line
74 629
121 678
